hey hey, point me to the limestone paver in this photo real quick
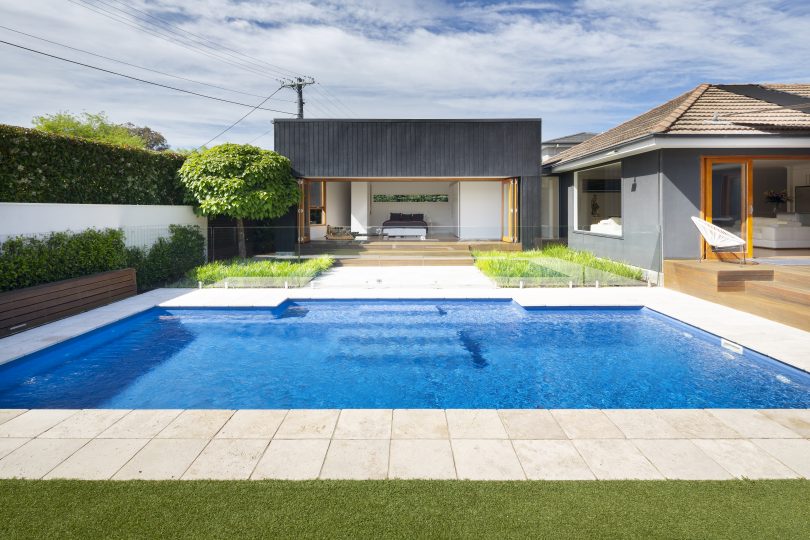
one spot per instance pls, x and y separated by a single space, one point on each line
308 424
196 424
616 459
85 424
486 459
290 459
98 460
227 459
750 423
9 444
422 459
681 460
551 460
37 457
356 460
531 424
252 424
586 424
419 424
8 414
475 424
363 424
141 424
697 424
34 422
795 453
162 459
744 459
797 420
642 424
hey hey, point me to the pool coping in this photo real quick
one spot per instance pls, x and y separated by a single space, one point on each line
783 343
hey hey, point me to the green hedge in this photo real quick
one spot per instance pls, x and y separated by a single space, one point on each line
46 168
28 261
169 258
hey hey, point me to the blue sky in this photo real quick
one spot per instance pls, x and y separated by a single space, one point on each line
580 65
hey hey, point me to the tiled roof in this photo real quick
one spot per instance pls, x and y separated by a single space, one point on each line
711 109
576 138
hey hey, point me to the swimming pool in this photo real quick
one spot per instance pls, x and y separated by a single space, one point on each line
399 354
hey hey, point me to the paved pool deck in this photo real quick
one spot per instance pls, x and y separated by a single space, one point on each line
478 444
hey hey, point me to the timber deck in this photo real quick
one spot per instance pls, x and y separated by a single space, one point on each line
779 293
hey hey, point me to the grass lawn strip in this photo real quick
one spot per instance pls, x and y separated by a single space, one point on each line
405 509
274 273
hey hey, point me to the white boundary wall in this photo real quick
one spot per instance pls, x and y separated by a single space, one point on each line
142 224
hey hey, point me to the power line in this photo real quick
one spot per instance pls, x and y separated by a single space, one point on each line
139 67
251 111
168 38
260 136
277 68
140 80
338 101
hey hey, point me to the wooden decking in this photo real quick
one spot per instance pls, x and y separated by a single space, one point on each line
779 293
402 252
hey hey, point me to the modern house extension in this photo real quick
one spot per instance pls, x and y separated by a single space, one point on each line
735 155
421 180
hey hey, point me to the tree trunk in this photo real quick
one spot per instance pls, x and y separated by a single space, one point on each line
240 237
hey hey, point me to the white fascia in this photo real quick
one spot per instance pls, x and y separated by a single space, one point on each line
650 143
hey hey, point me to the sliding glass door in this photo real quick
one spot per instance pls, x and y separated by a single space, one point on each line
727 197
509 210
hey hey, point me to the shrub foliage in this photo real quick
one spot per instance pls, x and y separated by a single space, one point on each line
168 259
28 261
41 167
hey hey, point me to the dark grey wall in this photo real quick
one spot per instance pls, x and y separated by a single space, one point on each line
640 243
681 194
420 148
410 148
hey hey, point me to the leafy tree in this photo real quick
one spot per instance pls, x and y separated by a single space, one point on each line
242 182
95 127
152 139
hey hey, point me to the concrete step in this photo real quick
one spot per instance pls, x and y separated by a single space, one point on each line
405 261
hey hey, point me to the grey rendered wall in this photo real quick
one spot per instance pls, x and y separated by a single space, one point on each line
640 243
681 195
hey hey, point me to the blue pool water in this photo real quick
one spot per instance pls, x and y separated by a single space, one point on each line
397 354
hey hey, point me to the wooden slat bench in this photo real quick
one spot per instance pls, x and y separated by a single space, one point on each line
25 308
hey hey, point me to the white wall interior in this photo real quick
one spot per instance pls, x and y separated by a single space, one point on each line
338 209
480 210
360 207
142 224
437 214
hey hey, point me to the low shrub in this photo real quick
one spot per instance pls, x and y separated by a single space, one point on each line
246 268
168 259
28 261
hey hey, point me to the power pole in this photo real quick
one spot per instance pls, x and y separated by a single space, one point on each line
298 85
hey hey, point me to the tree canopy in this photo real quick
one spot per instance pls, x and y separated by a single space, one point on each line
97 127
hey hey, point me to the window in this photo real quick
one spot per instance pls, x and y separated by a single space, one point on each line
598 205
317 203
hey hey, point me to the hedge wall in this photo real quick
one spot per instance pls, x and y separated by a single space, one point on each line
46 168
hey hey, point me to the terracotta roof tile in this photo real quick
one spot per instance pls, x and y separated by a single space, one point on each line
711 109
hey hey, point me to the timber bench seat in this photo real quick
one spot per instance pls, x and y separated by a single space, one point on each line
25 308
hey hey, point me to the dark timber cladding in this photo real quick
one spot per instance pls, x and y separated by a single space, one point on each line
508 148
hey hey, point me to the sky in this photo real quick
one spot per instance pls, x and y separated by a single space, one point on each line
579 65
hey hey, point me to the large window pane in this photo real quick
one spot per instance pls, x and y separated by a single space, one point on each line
599 200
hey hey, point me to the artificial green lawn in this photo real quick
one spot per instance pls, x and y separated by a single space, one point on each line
405 509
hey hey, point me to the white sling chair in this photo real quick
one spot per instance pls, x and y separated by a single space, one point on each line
720 240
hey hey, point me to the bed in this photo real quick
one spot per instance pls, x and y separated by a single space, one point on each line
405 225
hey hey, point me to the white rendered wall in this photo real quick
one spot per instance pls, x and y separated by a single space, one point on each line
479 210
359 207
437 214
338 204
452 196
142 224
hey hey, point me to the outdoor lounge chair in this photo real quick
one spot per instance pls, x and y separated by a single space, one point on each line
720 240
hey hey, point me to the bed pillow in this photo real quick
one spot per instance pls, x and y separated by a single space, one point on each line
396 216
417 217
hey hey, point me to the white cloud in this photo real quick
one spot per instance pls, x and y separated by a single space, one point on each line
582 65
